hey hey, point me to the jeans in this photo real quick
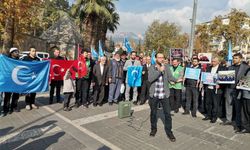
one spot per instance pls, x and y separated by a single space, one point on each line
153 103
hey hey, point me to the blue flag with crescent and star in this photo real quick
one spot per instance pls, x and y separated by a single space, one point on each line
22 76
134 74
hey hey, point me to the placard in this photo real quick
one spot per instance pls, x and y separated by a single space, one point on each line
226 77
192 73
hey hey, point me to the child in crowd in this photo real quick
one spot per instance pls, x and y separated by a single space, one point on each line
68 89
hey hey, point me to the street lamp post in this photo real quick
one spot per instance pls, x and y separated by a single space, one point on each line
191 41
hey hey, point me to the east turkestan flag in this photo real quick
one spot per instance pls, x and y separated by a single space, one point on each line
134 74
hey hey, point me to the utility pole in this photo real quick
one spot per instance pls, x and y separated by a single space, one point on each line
191 40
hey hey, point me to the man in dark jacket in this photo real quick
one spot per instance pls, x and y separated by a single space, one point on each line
213 93
231 93
55 83
30 97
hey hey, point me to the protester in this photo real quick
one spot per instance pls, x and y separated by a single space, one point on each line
68 90
7 106
30 97
131 62
100 80
192 91
213 93
55 83
176 88
116 78
145 83
159 76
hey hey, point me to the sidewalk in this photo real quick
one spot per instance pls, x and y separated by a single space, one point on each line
99 128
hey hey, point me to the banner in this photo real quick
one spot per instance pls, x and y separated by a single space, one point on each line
23 76
209 78
205 58
192 73
176 53
134 74
58 68
226 77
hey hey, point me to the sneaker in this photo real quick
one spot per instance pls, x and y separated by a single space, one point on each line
28 107
34 106
153 132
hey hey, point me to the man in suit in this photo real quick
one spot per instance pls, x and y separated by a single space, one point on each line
100 80
145 83
131 62
213 93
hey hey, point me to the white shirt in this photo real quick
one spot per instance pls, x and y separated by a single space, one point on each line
102 68
213 71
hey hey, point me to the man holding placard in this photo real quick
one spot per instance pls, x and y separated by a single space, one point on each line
192 77
213 92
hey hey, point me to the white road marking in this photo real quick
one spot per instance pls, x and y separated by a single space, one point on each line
84 130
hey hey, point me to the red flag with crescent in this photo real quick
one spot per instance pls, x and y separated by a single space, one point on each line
58 68
80 67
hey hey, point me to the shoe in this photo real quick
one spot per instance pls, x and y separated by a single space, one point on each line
65 109
110 103
115 102
135 102
10 112
76 105
100 104
171 137
245 131
206 118
213 120
226 123
186 113
194 116
34 106
176 110
141 103
238 130
85 106
28 107
16 110
153 132
51 102
94 105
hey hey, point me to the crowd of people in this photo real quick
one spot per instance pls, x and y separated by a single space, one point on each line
162 83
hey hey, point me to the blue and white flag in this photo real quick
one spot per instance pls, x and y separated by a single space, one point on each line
230 55
94 54
101 53
127 45
153 61
134 74
22 76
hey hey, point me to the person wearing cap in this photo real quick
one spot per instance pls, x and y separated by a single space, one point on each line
30 97
7 107
115 78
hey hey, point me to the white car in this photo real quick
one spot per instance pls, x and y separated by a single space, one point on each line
40 55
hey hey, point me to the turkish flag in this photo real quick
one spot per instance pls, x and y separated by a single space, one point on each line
80 68
58 68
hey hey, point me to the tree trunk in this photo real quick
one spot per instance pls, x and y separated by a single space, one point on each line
88 28
9 34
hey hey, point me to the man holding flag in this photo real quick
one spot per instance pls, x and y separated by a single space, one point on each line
7 107
130 63
30 97
56 83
